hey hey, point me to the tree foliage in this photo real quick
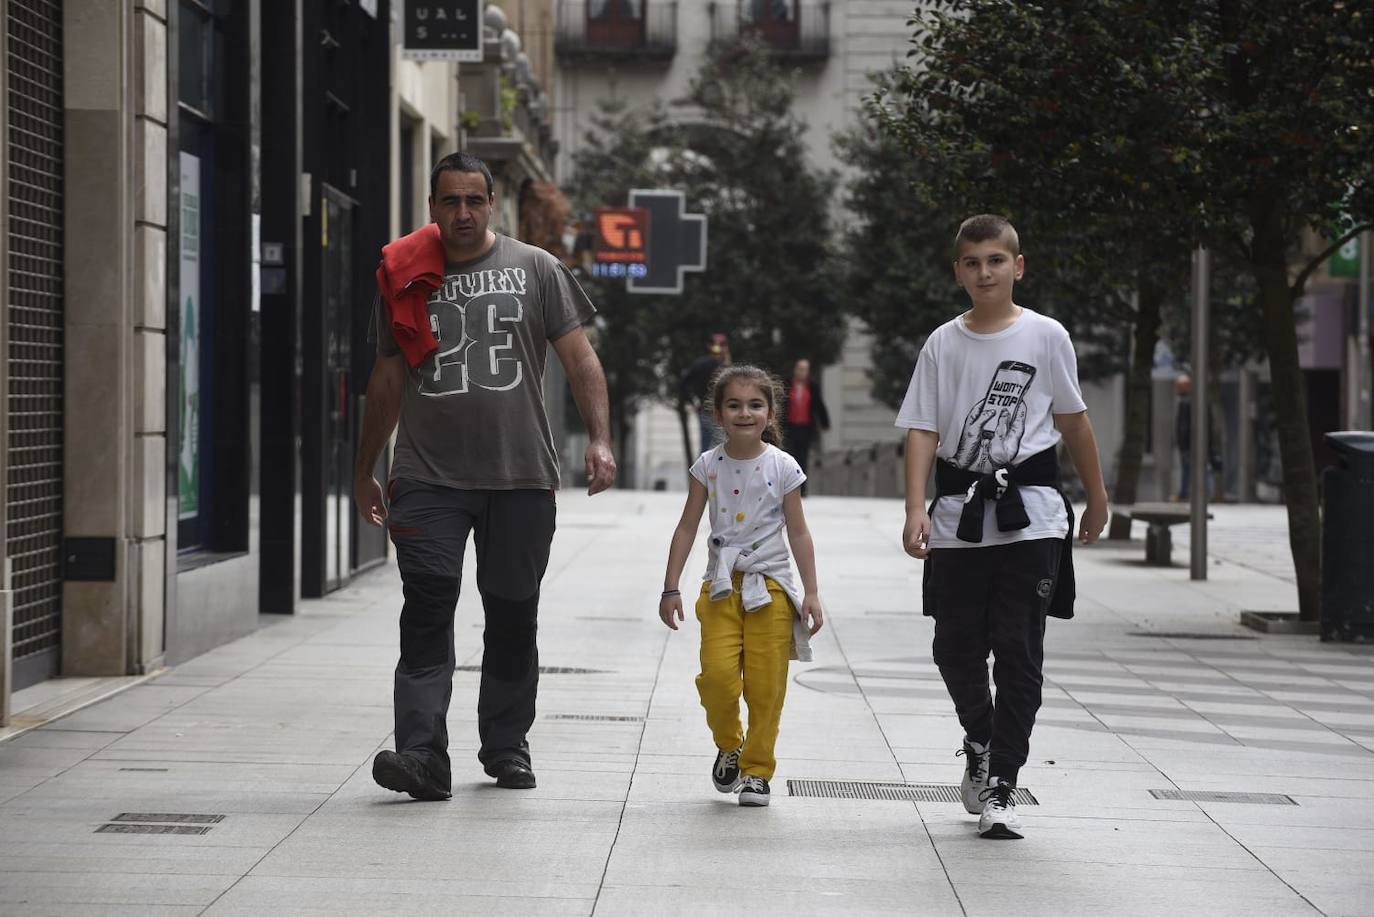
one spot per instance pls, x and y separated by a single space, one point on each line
740 157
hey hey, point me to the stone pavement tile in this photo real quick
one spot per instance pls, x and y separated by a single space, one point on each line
821 898
490 857
42 824
37 909
59 800
51 737
102 776
1348 838
437 896
132 708
57 890
1126 842
28 762
1339 882
1046 889
715 844
1301 733
128 855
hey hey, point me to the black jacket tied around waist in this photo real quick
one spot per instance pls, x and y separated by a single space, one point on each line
1003 485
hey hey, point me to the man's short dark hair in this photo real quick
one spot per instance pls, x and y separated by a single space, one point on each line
459 162
985 227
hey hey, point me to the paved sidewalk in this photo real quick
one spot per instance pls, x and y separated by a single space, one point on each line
275 733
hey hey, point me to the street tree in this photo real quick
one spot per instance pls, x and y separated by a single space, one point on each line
1236 124
737 150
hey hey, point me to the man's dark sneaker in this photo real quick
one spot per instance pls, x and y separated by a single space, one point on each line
975 775
999 821
406 774
753 791
512 775
725 773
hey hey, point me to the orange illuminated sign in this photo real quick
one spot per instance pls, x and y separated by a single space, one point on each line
622 236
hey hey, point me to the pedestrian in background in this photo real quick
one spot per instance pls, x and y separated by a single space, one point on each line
696 382
463 323
804 416
993 393
1183 438
753 618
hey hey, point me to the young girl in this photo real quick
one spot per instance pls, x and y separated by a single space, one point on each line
752 618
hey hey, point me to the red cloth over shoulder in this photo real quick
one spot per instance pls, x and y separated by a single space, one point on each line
412 267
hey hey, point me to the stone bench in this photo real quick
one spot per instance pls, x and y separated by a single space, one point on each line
1158 517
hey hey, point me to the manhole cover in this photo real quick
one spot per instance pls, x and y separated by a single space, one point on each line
1173 635
182 818
905 792
594 718
151 829
544 670
1261 799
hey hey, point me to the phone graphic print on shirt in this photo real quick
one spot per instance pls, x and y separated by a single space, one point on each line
994 426
473 317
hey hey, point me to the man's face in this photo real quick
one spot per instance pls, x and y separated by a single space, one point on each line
802 370
461 208
987 270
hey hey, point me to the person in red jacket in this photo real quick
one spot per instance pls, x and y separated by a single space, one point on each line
805 415
463 326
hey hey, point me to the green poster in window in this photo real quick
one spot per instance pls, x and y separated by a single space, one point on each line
188 461
1345 261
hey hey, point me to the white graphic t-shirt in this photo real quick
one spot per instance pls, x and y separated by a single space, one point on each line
472 415
992 400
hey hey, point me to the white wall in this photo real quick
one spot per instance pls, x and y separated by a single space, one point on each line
426 92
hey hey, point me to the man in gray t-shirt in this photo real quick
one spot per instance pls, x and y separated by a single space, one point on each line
474 455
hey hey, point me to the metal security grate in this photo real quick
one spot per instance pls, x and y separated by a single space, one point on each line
33 491
543 670
1261 799
594 718
904 792
151 829
184 818
151 770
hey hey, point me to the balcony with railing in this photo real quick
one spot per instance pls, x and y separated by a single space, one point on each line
790 29
592 31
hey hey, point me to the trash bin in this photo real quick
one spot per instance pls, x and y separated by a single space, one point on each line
1348 539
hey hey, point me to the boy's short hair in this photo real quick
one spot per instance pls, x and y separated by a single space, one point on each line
986 226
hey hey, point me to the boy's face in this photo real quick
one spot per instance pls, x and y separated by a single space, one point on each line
987 271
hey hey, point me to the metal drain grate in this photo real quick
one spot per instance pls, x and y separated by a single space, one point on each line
1176 635
148 770
594 718
1261 799
545 670
904 792
177 818
152 829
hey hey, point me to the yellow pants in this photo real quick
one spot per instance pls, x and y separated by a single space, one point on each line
745 652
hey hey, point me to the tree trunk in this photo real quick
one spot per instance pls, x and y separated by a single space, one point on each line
1290 408
1149 298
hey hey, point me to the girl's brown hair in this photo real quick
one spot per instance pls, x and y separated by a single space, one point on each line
766 382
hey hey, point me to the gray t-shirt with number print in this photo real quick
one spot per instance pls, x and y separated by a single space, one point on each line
472 415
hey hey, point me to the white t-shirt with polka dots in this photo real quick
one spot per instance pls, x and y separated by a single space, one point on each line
744 502
744 497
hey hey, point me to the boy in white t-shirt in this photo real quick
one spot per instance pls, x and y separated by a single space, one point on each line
993 393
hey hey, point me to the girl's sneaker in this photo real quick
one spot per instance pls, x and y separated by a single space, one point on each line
999 821
975 775
753 791
725 773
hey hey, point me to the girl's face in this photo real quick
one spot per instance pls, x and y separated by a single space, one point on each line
744 412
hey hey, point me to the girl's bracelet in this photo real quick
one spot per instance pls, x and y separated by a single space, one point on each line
671 592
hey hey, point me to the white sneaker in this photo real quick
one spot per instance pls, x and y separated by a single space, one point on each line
753 791
975 775
999 821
